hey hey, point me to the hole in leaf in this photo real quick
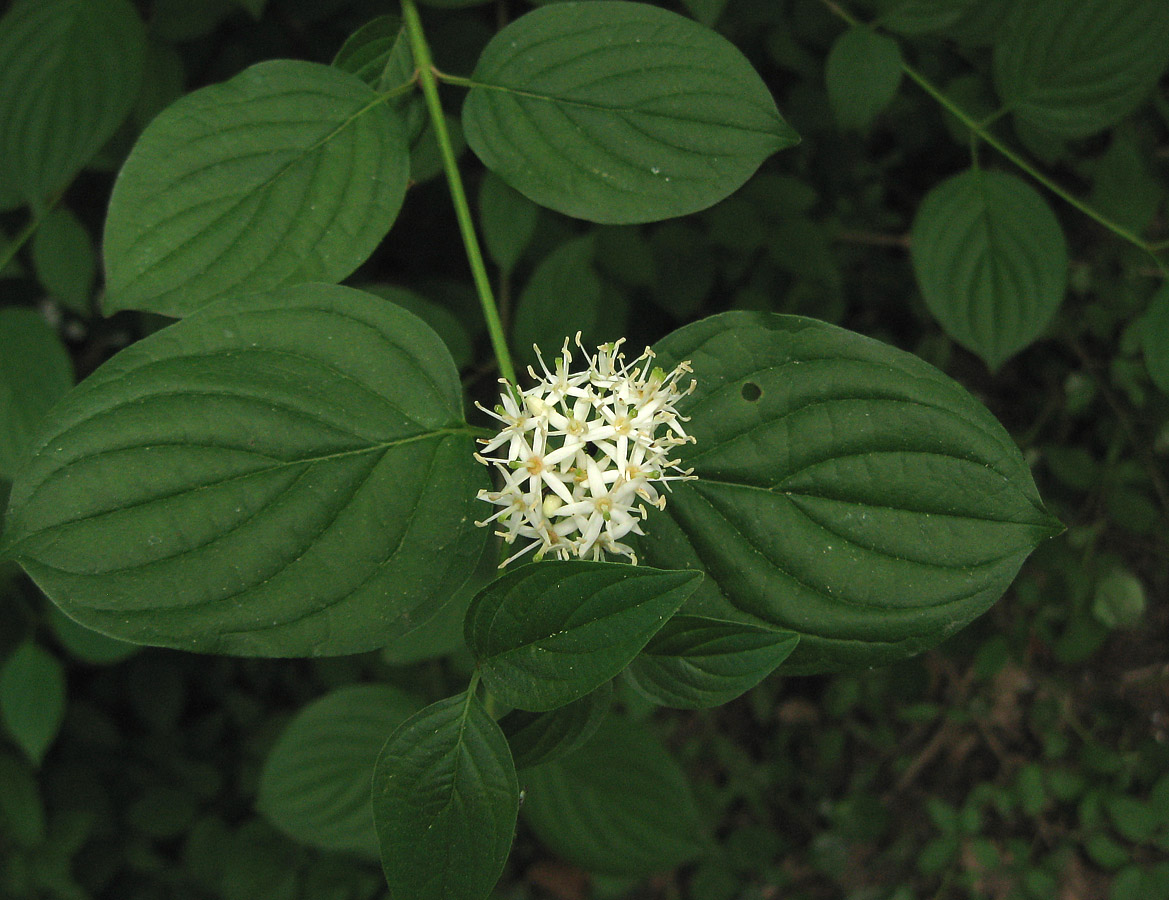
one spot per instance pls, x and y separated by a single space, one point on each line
752 391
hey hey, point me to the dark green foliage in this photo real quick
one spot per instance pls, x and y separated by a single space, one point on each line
976 197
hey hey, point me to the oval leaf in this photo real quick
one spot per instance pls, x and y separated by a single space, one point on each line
35 372
315 782
619 112
847 491
862 73
32 699
548 633
445 799
694 663
283 475
1075 68
290 172
69 74
620 805
991 261
66 265
537 738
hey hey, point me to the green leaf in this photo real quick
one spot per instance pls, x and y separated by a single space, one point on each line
1076 68
618 806
66 265
69 75
562 297
991 262
1155 338
445 799
448 327
508 220
35 372
847 491
32 699
863 73
366 51
425 154
619 112
694 663
537 738
286 474
916 17
315 782
705 11
290 172
548 633
1119 601
87 645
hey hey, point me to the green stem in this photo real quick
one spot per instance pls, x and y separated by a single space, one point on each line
426 74
980 129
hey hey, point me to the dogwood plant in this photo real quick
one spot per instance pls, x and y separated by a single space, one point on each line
288 470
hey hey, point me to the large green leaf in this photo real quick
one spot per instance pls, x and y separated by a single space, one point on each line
619 112
694 663
1075 68
548 633
620 805
69 74
288 173
284 474
315 782
445 799
991 261
32 699
847 491
35 372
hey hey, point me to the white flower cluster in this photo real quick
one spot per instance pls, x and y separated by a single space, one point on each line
581 450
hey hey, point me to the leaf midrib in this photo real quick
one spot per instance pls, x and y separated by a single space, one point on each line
12 548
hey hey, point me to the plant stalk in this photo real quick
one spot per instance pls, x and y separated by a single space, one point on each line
429 83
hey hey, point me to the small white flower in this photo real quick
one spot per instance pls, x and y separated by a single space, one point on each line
583 451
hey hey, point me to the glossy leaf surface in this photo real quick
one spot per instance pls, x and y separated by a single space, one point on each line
548 633
620 805
315 782
286 474
847 491
445 799
991 261
290 172
619 112
694 663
